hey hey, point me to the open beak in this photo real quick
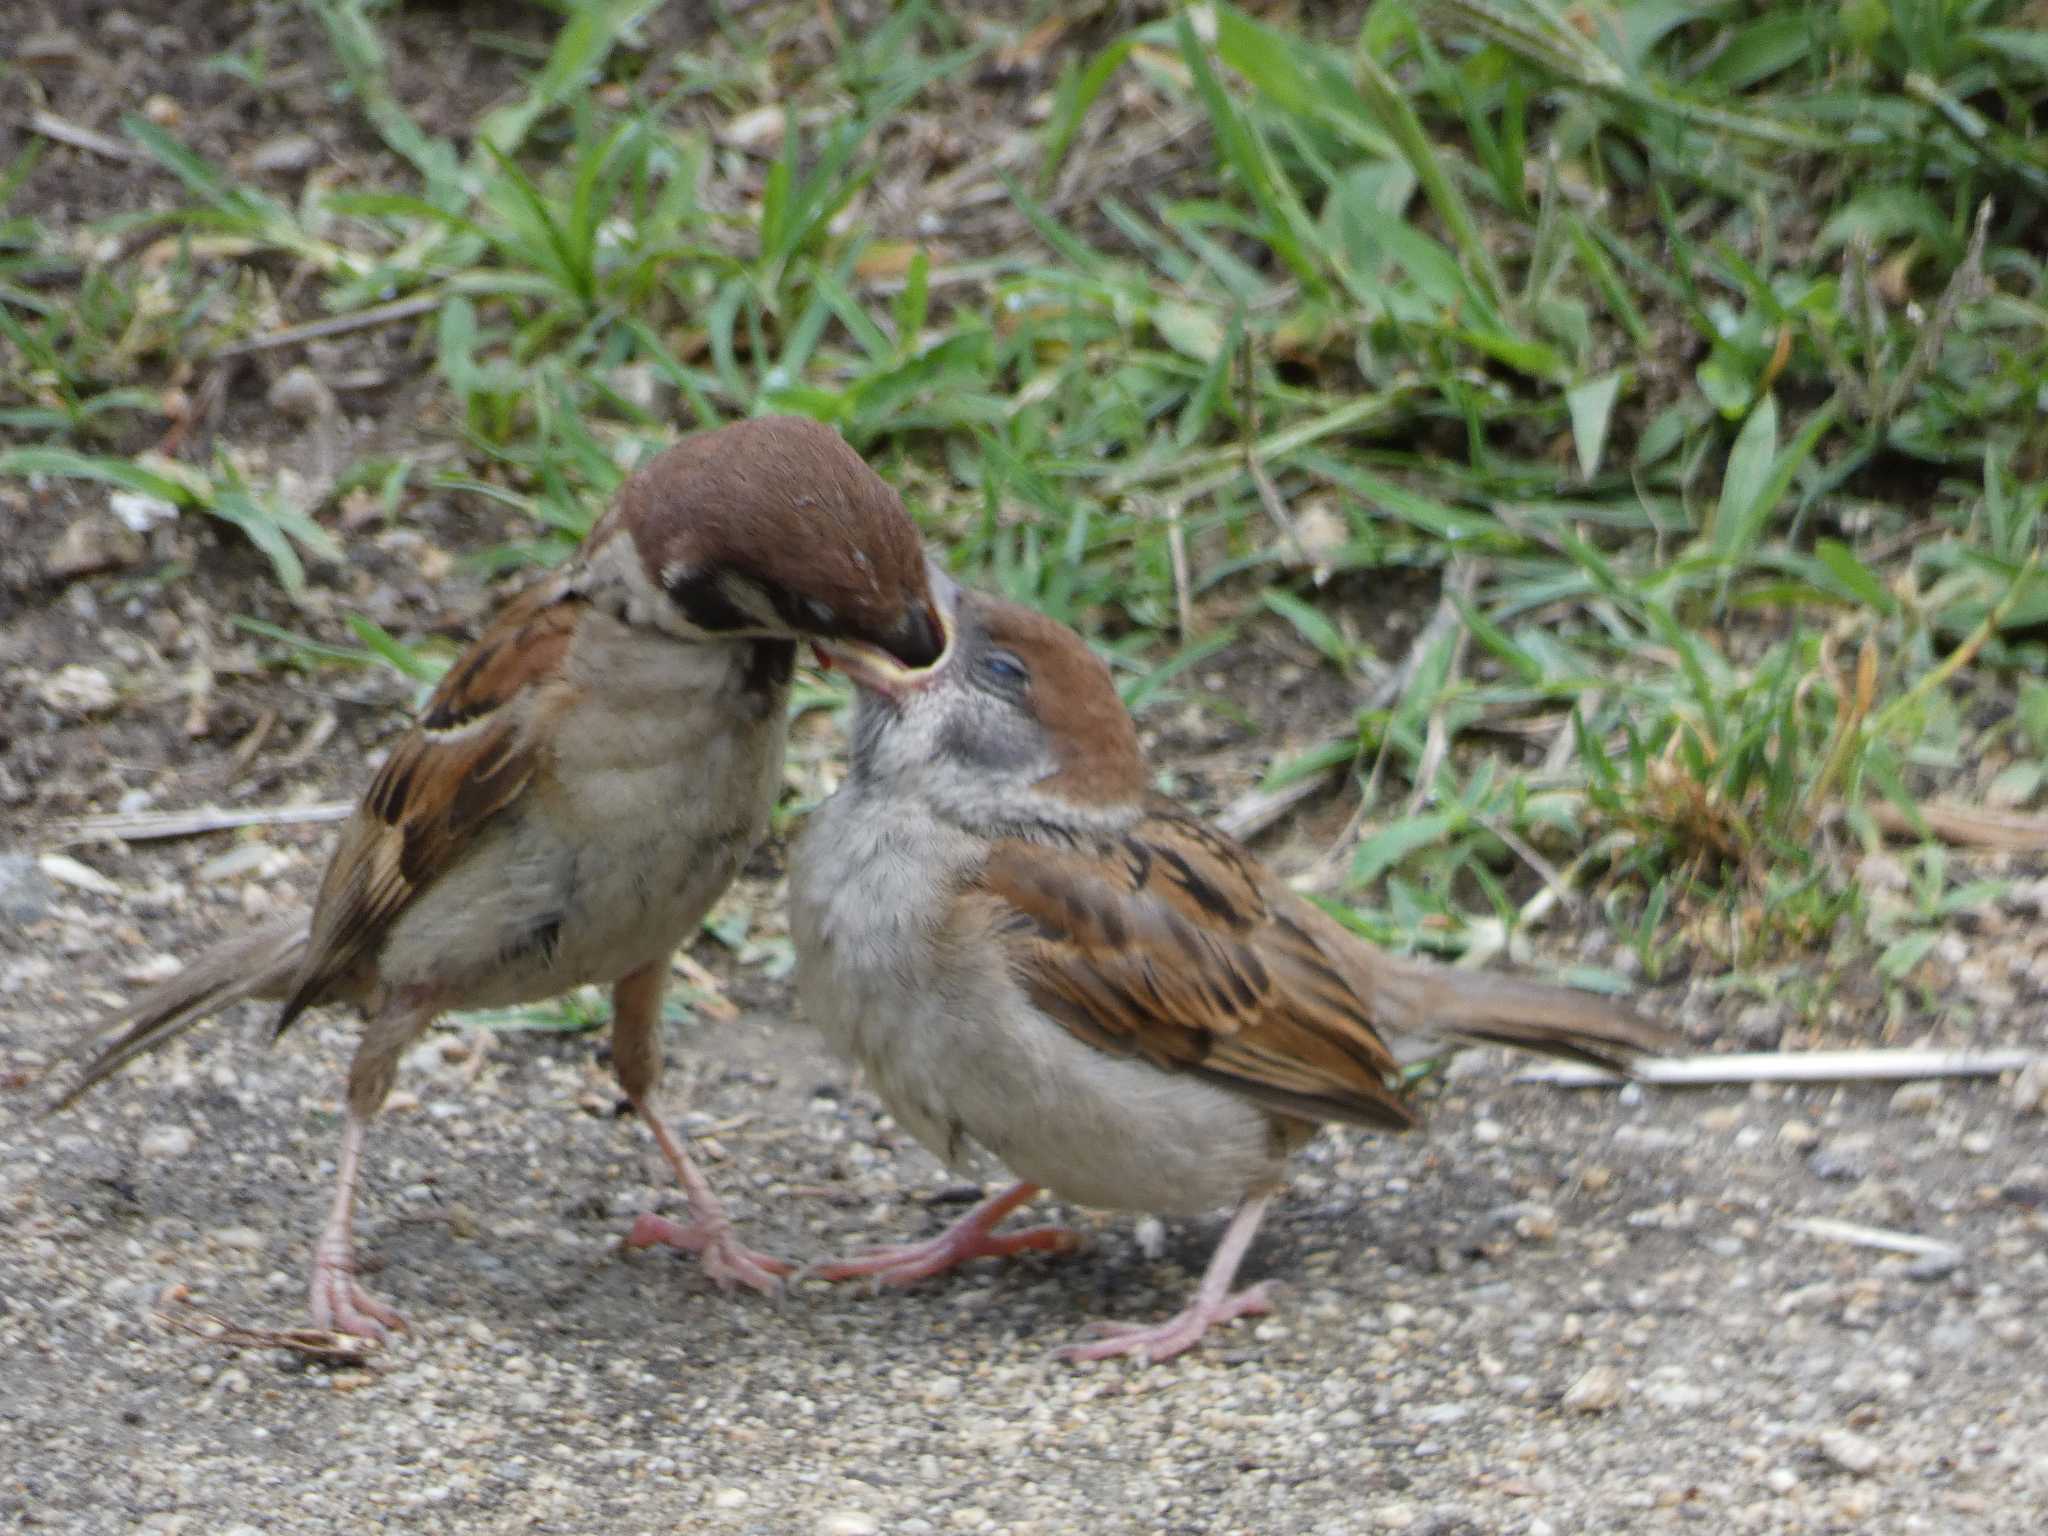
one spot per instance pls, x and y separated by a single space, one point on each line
905 667
921 639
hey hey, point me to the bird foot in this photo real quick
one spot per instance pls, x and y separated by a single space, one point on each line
342 1305
725 1259
1162 1341
908 1263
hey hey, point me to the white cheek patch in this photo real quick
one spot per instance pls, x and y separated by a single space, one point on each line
750 600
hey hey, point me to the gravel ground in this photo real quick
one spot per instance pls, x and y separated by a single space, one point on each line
1554 1312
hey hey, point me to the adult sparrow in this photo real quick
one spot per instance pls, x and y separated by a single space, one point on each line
1031 955
583 784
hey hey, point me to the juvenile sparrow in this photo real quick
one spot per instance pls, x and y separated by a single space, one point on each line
581 787
1031 955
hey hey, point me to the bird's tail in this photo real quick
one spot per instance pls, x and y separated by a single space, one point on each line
1435 1004
260 965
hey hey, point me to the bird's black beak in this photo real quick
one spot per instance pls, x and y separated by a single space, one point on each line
907 658
920 640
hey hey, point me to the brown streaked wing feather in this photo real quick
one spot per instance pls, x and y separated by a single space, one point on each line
468 757
1162 945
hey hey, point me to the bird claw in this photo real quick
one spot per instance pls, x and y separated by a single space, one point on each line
726 1261
340 1304
908 1263
1162 1341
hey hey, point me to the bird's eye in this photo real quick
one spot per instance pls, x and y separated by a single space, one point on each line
1004 671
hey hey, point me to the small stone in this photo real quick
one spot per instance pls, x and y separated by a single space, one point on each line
91 544
241 1239
78 690
1487 1132
286 153
1394 1517
1851 1505
757 130
728 1498
638 385
1798 1135
301 394
2030 1088
1676 1394
80 876
2028 1187
942 1389
1838 1165
1850 1451
25 890
139 513
151 969
166 1141
847 1522
1781 1480
1598 1390
1917 1098
1760 1026
163 110
1936 1264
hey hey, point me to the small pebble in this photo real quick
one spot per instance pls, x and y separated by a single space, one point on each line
1934 1266
1836 1165
26 890
1598 1390
1850 1451
2030 1088
166 1141
89 545
286 153
1917 1098
1150 1234
301 394
78 690
847 1522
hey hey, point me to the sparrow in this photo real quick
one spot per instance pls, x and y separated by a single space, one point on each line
1031 956
581 786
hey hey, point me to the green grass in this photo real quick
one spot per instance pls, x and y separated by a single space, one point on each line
1701 348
